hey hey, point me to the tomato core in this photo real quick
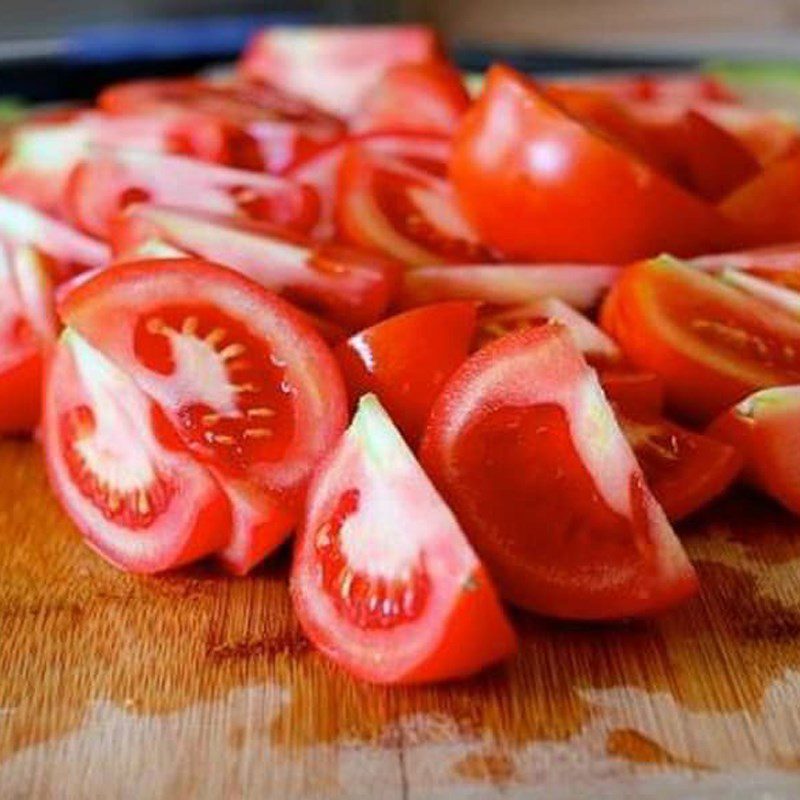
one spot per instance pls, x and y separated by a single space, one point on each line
241 406
127 503
369 601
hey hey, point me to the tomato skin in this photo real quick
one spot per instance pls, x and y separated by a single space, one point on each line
456 629
540 566
20 395
347 285
334 67
196 518
767 208
684 470
536 184
632 389
101 187
388 206
387 360
429 96
703 337
764 429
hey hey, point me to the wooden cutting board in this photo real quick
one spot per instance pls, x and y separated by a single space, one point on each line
199 685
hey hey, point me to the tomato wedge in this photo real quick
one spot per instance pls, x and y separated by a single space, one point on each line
69 250
252 125
100 187
683 88
406 359
136 494
346 284
334 67
537 184
405 212
429 96
579 285
683 469
525 448
765 428
28 330
624 385
426 151
248 385
384 581
711 343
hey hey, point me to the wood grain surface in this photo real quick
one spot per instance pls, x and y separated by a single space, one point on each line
199 685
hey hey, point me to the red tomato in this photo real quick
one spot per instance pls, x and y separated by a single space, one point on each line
384 581
27 333
406 359
349 285
765 428
334 67
118 469
538 185
711 343
623 384
579 285
247 124
429 96
684 470
767 208
525 448
394 208
248 385
100 187
430 152
69 251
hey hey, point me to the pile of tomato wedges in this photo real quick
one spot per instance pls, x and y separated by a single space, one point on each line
468 350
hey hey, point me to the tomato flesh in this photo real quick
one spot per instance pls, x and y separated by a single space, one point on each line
764 428
711 343
543 482
388 360
138 497
402 211
383 580
683 469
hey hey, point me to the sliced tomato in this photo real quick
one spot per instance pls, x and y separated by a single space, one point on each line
69 250
406 359
250 125
537 184
525 448
28 330
384 581
334 67
683 469
767 208
405 212
624 385
426 151
135 493
346 284
248 385
428 96
579 285
784 257
711 343
100 187
684 88
765 428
